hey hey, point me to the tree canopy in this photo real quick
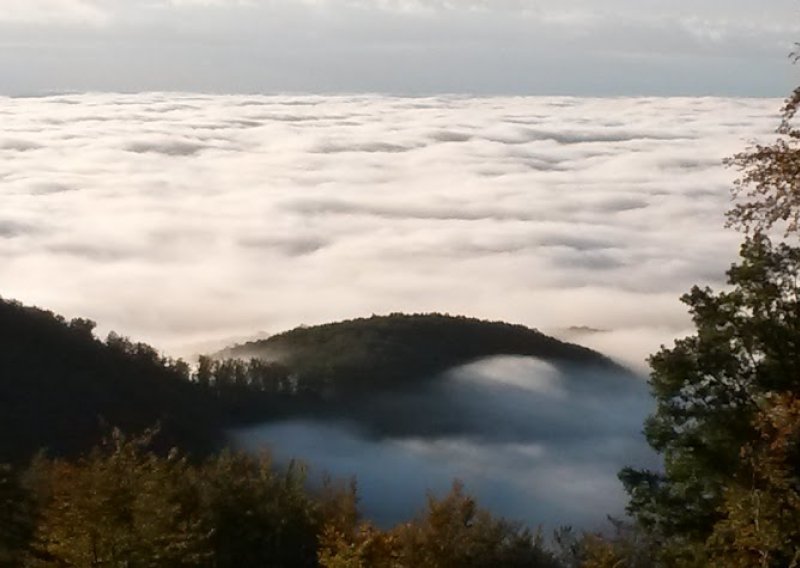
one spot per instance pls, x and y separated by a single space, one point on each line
123 505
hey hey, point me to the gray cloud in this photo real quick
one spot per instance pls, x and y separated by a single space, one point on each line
291 246
10 229
173 148
18 145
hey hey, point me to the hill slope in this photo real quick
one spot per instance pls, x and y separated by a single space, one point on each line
399 350
59 384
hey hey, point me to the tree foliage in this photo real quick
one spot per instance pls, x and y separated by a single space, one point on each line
453 532
768 190
709 389
761 507
123 505
726 420
17 516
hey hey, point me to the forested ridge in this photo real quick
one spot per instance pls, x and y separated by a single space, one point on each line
403 350
62 387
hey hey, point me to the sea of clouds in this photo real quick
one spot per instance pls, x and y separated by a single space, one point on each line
190 220
186 220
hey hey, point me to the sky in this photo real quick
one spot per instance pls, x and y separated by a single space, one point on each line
536 47
188 221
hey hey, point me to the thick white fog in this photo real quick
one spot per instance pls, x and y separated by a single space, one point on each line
187 220
535 444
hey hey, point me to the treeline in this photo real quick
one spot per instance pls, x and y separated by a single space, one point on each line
123 505
254 375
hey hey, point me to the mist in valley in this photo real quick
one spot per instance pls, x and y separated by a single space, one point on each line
532 442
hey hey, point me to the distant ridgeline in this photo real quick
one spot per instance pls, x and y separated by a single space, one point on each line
60 386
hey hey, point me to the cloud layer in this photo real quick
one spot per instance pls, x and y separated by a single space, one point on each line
181 219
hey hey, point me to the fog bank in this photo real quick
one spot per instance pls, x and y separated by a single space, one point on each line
532 443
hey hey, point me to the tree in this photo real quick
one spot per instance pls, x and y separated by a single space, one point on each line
708 389
120 507
713 389
261 516
204 373
628 546
761 525
455 533
768 190
125 506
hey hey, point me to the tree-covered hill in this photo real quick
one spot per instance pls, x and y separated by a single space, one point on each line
59 385
62 388
400 350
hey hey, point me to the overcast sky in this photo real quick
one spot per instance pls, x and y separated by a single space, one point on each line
580 47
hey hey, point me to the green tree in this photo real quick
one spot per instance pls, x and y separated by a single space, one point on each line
204 374
711 388
708 389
